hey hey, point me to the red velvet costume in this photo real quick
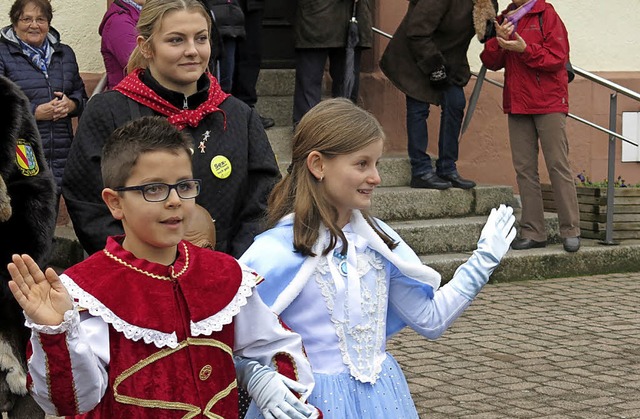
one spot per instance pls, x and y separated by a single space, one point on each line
171 333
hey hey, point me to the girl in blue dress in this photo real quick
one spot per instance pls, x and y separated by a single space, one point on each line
345 280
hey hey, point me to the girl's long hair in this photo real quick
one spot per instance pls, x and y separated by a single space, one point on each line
150 19
333 127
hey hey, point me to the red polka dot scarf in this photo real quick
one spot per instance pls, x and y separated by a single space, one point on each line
133 88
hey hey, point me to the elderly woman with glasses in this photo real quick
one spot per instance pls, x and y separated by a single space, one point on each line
46 70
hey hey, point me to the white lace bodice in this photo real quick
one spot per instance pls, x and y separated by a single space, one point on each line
323 315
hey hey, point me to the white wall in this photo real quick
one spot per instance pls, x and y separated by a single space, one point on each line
77 21
604 34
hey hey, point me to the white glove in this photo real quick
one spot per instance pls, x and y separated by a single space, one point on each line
496 236
271 391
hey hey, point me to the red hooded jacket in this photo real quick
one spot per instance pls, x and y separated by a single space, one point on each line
535 80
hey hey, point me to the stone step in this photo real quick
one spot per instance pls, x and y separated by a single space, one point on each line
552 261
276 82
279 108
275 95
454 235
405 203
280 140
394 171
444 246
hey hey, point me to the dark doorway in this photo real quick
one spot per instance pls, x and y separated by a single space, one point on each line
277 31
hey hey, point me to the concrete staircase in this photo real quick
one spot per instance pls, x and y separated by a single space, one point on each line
441 226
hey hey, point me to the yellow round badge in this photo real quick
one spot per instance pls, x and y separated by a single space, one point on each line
220 167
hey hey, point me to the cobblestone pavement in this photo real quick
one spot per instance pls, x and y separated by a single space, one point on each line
562 348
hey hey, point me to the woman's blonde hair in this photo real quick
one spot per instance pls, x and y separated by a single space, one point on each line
151 16
333 127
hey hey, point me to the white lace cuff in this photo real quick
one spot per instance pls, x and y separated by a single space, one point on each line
70 321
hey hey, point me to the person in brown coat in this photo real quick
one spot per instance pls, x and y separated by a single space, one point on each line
427 61
320 31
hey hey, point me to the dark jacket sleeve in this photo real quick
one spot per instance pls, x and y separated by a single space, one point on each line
421 26
263 175
82 181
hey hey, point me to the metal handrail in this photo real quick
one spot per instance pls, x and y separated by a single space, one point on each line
379 32
607 83
102 84
593 78
611 131
611 154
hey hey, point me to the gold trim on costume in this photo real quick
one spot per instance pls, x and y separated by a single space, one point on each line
258 278
191 410
48 376
47 372
205 372
186 262
274 361
73 380
149 274
224 393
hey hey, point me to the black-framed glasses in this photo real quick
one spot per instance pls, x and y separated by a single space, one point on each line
158 192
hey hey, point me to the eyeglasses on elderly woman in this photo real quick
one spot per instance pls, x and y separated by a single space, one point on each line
40 21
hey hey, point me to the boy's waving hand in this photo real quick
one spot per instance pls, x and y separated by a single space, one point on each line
41 295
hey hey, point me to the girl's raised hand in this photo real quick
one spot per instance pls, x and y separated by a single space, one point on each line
41 295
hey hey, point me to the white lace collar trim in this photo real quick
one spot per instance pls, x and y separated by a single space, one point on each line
418 272
132 332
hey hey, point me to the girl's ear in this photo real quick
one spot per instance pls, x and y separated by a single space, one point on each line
143 45
114 203
315 164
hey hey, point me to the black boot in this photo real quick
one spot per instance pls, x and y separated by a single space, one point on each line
429 181
458 181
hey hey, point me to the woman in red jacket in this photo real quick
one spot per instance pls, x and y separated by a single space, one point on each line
533 50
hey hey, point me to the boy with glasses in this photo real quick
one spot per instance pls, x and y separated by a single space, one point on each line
152 325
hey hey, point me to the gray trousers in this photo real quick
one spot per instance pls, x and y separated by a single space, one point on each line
549 129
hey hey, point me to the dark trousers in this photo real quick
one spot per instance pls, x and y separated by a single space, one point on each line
452 105
227 64
248 58
310 64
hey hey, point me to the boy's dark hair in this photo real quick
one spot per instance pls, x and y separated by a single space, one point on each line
123 147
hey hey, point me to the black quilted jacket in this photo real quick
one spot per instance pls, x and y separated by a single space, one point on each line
237 203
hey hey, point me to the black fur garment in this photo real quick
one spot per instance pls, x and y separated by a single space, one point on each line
27 223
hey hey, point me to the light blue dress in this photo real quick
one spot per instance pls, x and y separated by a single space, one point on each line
342 314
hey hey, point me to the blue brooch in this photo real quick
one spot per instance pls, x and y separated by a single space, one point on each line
342 265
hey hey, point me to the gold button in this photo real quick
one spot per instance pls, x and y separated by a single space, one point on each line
205 372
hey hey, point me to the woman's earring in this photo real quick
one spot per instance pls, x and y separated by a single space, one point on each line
321 178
